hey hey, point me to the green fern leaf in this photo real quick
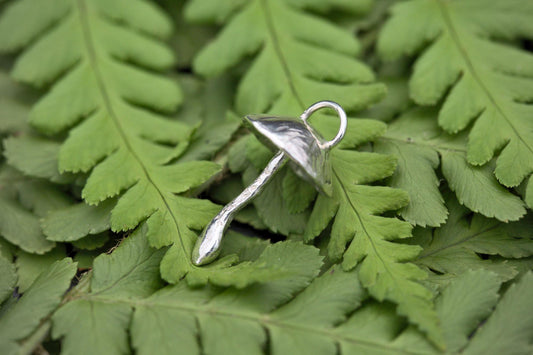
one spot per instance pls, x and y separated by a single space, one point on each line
300 58
353 208
490 81
118 144
24 201
77 221
375 327
36 157
292 328
396 101
528 196
421 147
464 304
214 321
31 154
359 7
41 299
462 307
13 105
298 194
205 103
9 276
30 266
18 224
131 272
274 205
508 330
454 248
20 227
270 265
100 96
122 281
92 242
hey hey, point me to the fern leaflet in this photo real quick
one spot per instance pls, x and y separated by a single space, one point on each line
130 274
455 248
317 320
107 97
9 276
421 147
300 58
123 295
272 29
13 105
22 202
43 297
353 209
491 82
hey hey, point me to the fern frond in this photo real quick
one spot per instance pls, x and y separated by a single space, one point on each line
507 331
298 58
130 274
25 200
207 105
36 157
283 209
30 266
41 299
361 237
29 153
395 102
383 273
320 319
421 147
455 248
9 275
19 223
107 95
118 144
72 223
491 82
13 105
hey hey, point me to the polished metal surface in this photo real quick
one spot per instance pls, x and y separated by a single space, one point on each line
208 246
295 141
291 136
342 117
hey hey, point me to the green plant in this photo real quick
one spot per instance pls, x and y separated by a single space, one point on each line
130 140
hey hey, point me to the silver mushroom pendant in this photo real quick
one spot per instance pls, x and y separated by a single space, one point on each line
295 142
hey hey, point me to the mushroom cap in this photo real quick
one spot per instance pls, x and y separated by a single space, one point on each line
300 144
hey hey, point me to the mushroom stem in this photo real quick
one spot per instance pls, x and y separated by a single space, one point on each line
207 247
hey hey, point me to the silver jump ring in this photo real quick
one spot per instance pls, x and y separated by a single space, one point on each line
342 116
